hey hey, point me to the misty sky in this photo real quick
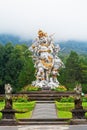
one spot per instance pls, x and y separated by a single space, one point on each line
66 18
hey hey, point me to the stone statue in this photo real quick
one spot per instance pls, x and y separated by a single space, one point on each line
78 96
8 91
47 62
8 96
78 90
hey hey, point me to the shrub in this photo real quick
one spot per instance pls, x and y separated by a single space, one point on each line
60 88
20 98
84 99
30 88
1 98
67 99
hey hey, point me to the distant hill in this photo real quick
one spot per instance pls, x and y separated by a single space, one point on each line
78 46
66 47
5 38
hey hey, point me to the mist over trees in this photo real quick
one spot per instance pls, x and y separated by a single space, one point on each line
17 68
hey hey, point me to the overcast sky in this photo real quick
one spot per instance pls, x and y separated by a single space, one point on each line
66 18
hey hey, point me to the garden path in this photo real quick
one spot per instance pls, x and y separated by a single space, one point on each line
45 127
44 110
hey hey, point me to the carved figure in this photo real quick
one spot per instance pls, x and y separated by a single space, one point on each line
8 91
78 90
8 96
47 62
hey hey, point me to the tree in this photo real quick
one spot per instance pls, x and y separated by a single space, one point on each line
83 65
27 73
72 72
2 52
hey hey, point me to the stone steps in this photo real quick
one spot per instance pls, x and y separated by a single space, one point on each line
46 95
44 121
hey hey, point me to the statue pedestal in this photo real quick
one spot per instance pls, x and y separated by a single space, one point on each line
46 88
8 114
78 114
78 121
8 117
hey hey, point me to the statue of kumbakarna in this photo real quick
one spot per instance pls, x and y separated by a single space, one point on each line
47 62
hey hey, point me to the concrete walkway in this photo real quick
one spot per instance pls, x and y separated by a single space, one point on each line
54 127
45 110
45 127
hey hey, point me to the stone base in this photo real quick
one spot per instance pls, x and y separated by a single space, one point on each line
46 88
8 117
78 113
8 122
78 121
8 113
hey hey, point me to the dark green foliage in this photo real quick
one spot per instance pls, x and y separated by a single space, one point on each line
16 67
72 73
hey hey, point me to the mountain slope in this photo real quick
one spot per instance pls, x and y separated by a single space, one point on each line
5 38
78 46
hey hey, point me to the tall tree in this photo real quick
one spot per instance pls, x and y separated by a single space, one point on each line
27 74
72 72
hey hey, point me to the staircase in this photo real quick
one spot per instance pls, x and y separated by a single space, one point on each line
44 113
46 95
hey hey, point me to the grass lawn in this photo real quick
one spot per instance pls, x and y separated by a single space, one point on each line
23 106
64 108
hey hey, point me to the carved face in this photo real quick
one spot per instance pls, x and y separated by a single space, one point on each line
43 40
8 88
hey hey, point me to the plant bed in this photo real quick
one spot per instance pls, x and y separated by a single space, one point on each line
21 107
64 109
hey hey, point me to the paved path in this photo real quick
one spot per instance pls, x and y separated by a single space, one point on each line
45 127
44 111
54 127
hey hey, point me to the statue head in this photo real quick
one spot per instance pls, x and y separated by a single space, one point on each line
8 88
41 34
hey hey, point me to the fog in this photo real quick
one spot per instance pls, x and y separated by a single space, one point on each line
66 18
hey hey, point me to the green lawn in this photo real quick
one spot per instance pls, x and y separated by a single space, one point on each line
23 106
64 108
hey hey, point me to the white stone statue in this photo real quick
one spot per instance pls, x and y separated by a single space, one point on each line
78 90
47 62
8 91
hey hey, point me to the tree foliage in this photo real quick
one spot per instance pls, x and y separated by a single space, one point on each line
75 71
17 68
